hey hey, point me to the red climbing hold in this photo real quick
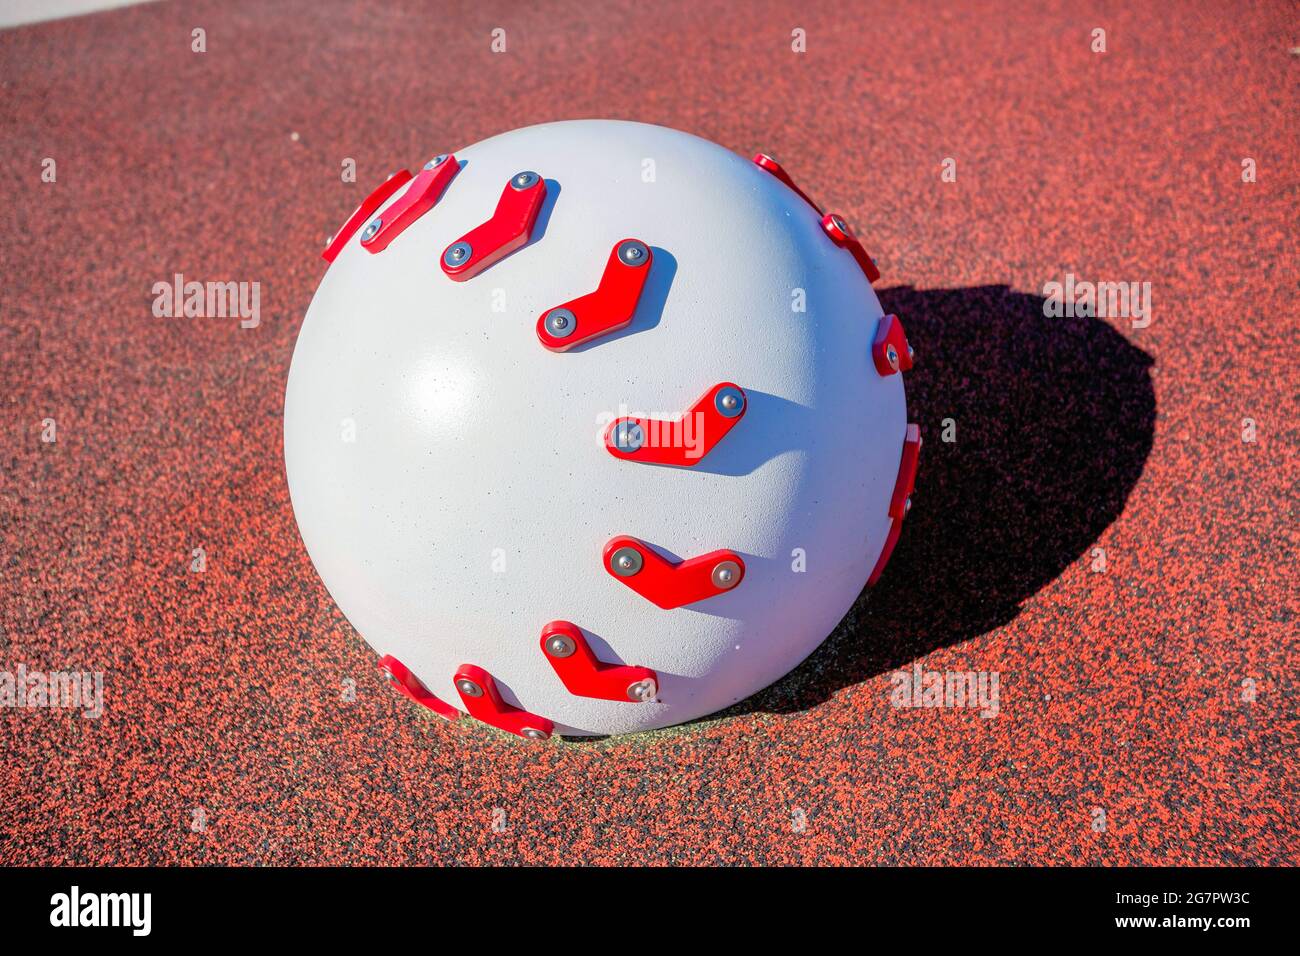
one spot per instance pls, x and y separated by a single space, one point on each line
421 195
684 441
482 699
410 686
363 213
509 229
890 350
606 310
584 675
901 501
839 232
670 585
767 163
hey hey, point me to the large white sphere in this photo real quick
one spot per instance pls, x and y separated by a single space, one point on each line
448 472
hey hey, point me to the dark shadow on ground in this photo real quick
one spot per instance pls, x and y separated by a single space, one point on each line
1054 420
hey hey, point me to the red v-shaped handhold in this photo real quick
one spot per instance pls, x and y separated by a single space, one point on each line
890 350
606 310
685 441
509 229
670 585
585 676
361 215
421 195
479 693
408 685
839 232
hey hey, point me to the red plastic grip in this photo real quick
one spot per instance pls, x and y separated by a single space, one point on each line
683 442
363 212
658 580
840 234
907 466
890 350
900 502
767 163
606 310
421 195
479 693
509 229
585 676
410 686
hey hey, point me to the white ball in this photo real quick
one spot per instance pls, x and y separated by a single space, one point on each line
449 473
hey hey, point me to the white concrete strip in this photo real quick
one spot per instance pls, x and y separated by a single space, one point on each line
17 12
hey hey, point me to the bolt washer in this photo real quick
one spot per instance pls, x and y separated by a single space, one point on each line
560 645
726 574
626 562
633 253
561 323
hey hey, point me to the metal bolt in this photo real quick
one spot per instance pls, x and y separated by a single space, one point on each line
634 252
840 225
436 162
532 733
911 355
560 645
726 574
626 562
469 688
457 253
642 690
891 354
524 180
561 323
907 505
628 436
371 229
729 402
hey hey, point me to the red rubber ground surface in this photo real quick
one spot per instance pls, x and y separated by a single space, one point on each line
1120 691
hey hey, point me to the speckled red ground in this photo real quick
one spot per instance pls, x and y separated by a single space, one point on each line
1120 690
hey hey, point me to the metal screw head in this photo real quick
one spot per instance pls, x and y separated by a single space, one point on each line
642 690
840 224
911 355
561 323
436 162
560 645
524 180
469 688
891 354
457 253
729 402
628 436
626 562
907 505
532 733
726 574
371 229
634 252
